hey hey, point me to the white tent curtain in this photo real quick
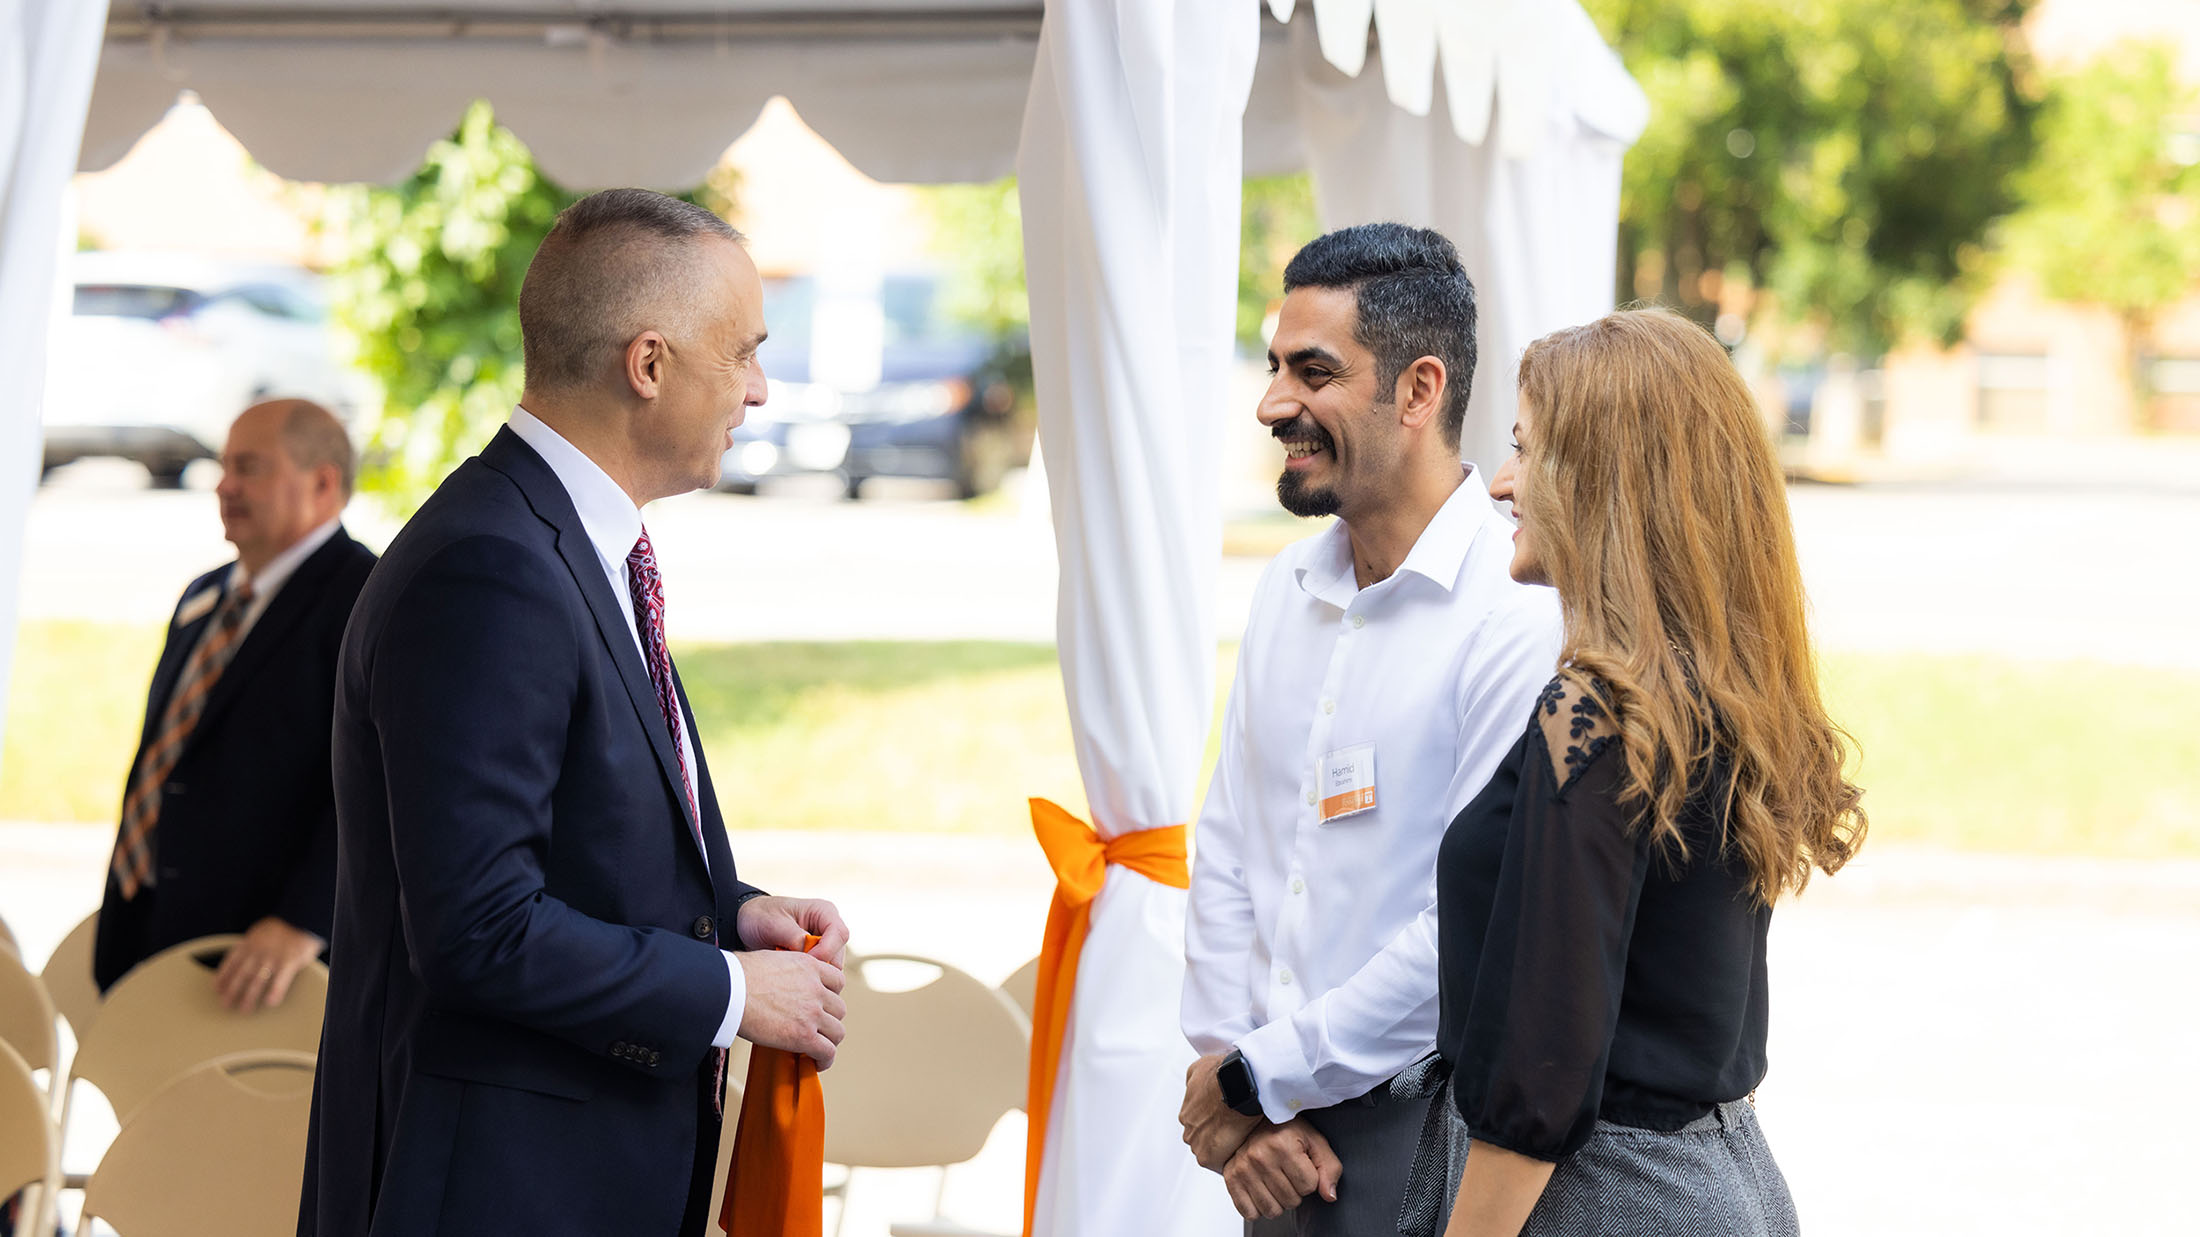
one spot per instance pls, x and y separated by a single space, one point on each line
1129 175
47 51
1538 230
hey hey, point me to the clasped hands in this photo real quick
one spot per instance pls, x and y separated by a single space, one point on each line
1268 1168
794 1000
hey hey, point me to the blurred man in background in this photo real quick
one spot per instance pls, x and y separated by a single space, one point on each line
229 814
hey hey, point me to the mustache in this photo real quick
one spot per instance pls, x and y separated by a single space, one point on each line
1302 428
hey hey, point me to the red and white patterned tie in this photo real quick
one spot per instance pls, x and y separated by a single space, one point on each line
648 591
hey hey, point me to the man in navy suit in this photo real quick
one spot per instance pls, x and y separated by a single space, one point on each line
229 819
542 947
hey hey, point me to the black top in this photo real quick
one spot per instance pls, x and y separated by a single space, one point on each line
1587 974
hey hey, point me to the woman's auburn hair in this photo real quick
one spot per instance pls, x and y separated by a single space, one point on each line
1660 514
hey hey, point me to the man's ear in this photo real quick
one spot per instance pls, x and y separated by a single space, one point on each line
1419 392
645 364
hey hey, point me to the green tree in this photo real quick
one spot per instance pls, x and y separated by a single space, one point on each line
2113 198
429 293
1278 219
1847 156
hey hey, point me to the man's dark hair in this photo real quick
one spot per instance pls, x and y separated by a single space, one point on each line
1413 299
615 264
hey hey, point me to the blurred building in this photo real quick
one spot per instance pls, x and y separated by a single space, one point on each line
2031 365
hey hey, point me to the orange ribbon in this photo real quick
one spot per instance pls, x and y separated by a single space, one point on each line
777 1177
1080 858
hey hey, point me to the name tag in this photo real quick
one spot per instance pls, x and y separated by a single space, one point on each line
198 605
1348 782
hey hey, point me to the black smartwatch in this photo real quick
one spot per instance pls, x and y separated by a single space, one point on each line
1235 1078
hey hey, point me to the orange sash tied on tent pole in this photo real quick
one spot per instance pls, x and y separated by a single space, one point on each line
775 1184
1080 858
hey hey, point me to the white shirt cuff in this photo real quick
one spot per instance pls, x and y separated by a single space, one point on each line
737 1001
1281 1074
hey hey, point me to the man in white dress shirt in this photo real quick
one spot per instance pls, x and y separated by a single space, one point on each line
1389 663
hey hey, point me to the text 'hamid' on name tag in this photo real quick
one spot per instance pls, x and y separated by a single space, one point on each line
1348 782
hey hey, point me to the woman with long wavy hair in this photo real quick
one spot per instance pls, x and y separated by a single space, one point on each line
1603 904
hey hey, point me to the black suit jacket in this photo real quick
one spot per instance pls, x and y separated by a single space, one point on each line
525 983
247 824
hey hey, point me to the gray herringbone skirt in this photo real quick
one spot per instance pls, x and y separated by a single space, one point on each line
1711 1178
1714 1177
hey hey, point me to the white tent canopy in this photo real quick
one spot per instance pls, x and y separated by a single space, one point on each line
1131 122
650 92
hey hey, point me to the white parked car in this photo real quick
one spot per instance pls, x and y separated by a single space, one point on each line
162 351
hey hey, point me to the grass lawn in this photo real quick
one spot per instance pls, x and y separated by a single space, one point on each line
1971 753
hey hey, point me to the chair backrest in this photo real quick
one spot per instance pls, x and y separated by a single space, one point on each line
30 1147
26 1015
68 976
924 1074
220 1150
163 1018
1023 986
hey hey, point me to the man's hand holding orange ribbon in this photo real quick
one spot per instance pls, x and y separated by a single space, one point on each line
794 998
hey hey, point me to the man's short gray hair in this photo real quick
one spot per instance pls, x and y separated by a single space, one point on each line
313 437
615 264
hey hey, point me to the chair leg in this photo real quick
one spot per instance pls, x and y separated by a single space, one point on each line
840 1216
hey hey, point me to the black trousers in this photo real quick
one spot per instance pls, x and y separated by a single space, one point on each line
1375 1138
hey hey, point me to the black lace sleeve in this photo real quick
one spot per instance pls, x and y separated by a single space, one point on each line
1542 1001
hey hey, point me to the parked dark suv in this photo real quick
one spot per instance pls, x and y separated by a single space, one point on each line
933 398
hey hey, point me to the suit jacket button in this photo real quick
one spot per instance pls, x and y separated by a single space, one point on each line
653 1058
704 927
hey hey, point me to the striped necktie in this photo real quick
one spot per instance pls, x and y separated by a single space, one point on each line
133 859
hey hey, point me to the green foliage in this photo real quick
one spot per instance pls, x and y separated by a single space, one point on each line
1848 156
1278 219
978 231
430 295
2125 231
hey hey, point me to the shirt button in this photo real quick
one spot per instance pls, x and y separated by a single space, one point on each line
1359 621
1329 706
1311 800
1284 977
1298 886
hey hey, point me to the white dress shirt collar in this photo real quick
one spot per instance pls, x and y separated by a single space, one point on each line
608 515
277 572
1437 553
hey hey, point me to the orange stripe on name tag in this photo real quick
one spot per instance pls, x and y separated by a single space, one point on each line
1349 801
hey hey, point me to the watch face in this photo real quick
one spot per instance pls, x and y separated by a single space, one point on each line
1236 1080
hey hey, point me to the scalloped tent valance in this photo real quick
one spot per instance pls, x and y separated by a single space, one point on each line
651 92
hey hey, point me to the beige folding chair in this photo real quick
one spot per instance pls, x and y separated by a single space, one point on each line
27 1018
7 940
1023 987
220 1150
30 1145
924 1075
163 1018
68 976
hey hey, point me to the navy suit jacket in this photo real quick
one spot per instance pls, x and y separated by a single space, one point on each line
526 974
247 824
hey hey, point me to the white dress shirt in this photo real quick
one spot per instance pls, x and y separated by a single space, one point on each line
613 524
1309 946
